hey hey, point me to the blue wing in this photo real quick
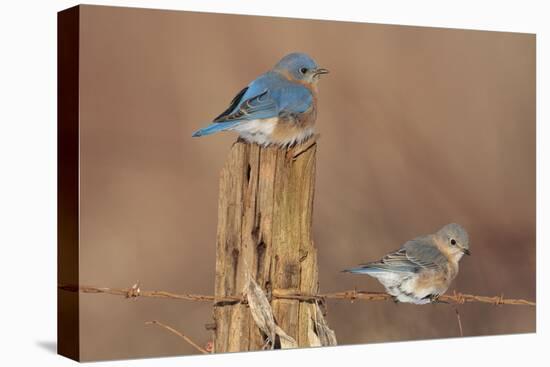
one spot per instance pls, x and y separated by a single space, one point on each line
414 256
270 95
235 102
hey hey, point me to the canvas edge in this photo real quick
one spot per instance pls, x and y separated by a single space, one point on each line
68 44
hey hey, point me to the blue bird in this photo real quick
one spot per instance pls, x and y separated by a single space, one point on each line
279 107
423 268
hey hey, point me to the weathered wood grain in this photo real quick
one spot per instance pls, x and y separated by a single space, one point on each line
264 229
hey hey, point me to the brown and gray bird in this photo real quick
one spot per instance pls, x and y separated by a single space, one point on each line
423 268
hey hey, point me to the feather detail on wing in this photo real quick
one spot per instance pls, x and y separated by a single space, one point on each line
414 256
234 103
257 107
268 96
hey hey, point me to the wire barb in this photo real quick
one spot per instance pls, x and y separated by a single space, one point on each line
134 291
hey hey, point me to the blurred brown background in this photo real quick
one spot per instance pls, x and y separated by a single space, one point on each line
419 127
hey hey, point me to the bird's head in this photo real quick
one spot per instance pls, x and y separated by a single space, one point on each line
299 67
455 239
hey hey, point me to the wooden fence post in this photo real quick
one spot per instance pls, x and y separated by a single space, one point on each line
264 229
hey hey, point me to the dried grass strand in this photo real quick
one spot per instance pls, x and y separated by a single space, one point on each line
178 333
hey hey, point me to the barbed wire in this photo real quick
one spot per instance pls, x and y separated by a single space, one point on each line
135 292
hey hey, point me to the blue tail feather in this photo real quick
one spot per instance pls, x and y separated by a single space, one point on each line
363 270
214 128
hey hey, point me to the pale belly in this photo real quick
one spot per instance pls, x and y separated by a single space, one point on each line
270 131
257 131
414 288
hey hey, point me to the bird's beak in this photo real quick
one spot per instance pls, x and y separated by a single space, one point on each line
466 251
320 71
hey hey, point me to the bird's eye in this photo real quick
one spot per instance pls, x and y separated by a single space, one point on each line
453 242
303 70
